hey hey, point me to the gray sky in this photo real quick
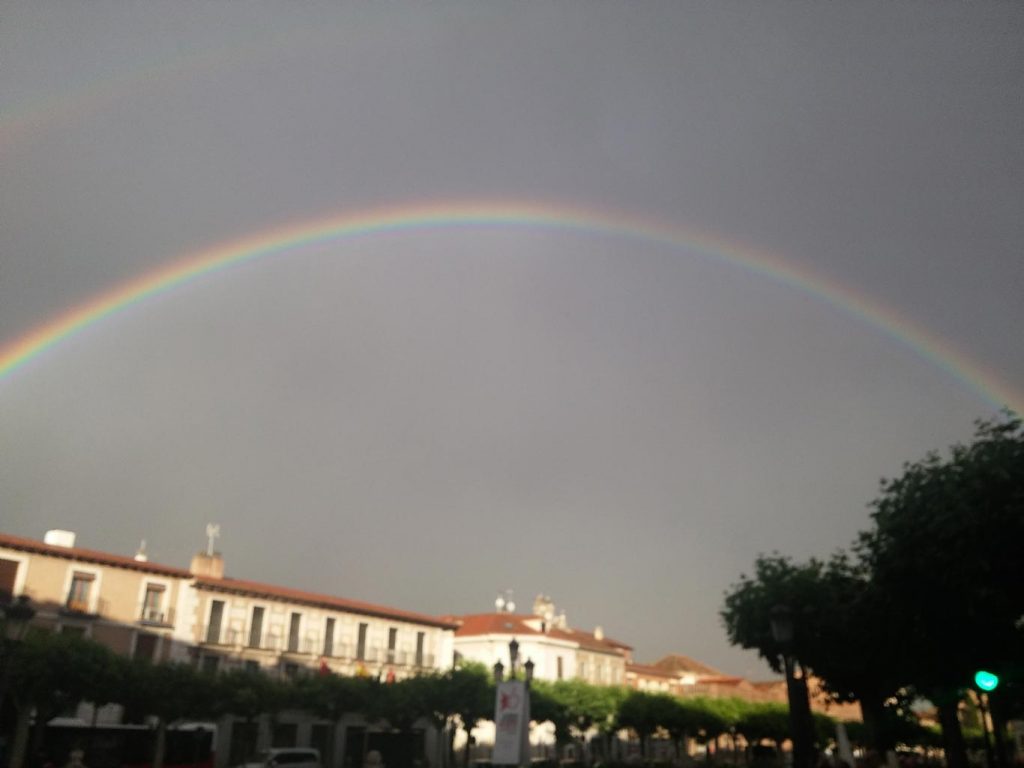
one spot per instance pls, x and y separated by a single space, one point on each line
425 418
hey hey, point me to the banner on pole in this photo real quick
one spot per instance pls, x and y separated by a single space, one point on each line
511 722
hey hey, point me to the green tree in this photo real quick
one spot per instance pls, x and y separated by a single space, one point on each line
168 692
248 694
548 706
472 697
765 721
840 620
52 673
945 552
581 707
331 697
644 713
705 721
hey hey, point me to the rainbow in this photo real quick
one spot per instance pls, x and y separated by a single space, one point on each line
417 217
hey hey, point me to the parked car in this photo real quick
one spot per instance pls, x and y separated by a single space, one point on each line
285 757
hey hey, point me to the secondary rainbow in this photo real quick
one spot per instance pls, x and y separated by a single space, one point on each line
559 217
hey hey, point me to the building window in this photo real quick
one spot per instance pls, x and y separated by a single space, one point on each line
71 629
78 595
581 670
252 666
361 642
560 670
8 575
392 642
213 628
293 632
153 603
420 637
291 671
145 646
329 637
256 627
211 664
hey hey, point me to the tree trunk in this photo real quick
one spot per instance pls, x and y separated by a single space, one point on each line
952 736
161 743
469 738
20 742
38 732
995 710
873 712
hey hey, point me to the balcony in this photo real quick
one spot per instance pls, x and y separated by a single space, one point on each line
306 647
269 642
80 608
157 618
340 651
216 635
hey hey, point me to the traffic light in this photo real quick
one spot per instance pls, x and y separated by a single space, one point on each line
986 681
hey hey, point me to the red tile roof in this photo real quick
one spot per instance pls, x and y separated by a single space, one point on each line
516 624
230 585
492 624
241 586
768 684
723 680
646 670
89 556
678 663
591 643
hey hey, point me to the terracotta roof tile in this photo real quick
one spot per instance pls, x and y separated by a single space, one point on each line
232 585
516 624
648 670
493 624
241 586
723 680
678 663
588 641
89 556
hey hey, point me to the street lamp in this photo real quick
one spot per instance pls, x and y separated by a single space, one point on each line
985 683
513 656
783 632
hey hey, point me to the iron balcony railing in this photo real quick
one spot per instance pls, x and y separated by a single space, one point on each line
156 616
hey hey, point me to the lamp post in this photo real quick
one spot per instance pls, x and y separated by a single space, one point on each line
513 656
783 632
17 616
985 684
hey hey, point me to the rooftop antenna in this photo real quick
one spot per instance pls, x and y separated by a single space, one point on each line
212 532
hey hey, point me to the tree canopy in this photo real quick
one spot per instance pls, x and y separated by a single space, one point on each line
927 595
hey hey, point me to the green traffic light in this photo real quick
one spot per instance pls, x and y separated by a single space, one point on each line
986 681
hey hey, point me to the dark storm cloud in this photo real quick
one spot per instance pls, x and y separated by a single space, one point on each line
424 419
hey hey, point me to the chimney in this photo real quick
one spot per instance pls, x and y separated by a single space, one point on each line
207 565
140 555
59 538
598 633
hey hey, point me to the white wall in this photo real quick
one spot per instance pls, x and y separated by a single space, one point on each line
541 649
